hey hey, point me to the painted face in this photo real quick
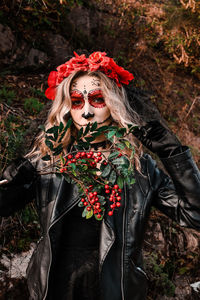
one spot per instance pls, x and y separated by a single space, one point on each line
88 104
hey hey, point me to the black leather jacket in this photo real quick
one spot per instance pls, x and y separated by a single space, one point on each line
121 270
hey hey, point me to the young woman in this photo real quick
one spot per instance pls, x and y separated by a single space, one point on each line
79 258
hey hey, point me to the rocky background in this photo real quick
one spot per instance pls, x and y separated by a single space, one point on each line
159 42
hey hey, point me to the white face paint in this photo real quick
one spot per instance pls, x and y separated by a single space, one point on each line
88 104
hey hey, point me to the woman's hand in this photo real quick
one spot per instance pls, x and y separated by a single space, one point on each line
158 139
4 181
20 171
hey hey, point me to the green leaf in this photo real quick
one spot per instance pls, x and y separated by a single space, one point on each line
123 160
86 129
120 182
49 144
113 155
61 126
112 177
84 168
126 161
102 128
50 137
57 150
118 161
46 157
94 126
89 214
84 213
111 134
106 171
69 122
80 133
128 144
61 136
120 146
62 159
102 166
80 204
95 134
132 181
73 171
53 130
119 134
73 166
89 139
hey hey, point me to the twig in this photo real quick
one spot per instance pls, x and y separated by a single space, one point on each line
191 107
13 110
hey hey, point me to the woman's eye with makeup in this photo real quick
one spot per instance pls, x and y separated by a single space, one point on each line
77 102
98 100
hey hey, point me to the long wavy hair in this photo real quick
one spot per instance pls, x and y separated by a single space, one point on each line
115 99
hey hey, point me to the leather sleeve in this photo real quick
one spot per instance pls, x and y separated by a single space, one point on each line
20 189
178 196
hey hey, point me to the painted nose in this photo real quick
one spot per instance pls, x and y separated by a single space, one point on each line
88 115
88 111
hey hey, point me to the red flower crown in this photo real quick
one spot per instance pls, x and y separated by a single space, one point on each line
96 61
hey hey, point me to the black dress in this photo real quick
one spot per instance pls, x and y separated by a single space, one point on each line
74 272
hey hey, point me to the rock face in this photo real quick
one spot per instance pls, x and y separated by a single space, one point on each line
17 52
16 265
168 243
58 48
7 40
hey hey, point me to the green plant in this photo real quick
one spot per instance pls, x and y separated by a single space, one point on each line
159 275
37 93
33 105
12 133
7 96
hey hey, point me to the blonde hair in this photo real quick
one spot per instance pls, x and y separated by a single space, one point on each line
115 99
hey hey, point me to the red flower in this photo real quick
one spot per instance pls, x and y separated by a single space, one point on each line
52 83
50 93
122 76
78 63
97 60
52 78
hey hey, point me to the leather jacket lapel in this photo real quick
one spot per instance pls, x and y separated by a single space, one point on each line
65 197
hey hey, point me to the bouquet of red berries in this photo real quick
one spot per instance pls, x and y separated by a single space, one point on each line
100 178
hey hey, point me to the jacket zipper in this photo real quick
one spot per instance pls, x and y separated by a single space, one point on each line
123 245
77 200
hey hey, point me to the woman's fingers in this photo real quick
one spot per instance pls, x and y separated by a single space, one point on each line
4 181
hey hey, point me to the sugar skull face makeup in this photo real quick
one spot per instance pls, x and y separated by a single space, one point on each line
88 104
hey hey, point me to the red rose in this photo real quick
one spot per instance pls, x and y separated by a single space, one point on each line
97 60
122 75
52 82
52 78
78 63
50 93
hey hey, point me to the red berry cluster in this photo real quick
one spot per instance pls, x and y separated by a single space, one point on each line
115 197
93 159
92 202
